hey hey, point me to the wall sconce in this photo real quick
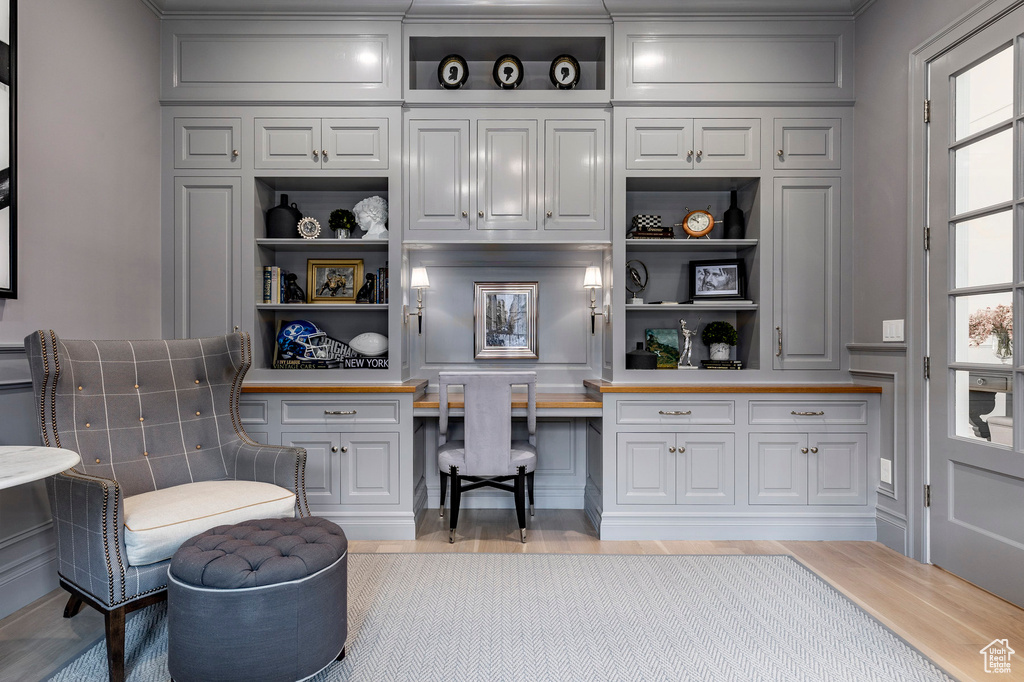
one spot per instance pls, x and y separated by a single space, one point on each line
419 281
592 281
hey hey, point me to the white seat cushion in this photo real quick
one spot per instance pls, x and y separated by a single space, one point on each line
454 453
157 522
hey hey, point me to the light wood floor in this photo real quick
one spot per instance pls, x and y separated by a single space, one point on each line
946 618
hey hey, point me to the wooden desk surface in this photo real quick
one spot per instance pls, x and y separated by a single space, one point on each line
544 401
415 386
601 386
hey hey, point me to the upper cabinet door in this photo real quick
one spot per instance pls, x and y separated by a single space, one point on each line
506 175
207 143
355 144
659 143
575 179
207 264
806 281
727 144
807 143
284 143
438 167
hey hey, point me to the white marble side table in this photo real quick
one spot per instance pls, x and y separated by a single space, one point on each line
24 463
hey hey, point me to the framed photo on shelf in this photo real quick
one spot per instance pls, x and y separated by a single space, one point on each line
505 320
333 280
712 280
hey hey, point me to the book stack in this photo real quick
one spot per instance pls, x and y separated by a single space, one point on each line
652 233
721 364
273 284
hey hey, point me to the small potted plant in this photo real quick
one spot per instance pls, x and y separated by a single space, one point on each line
719 336
342 221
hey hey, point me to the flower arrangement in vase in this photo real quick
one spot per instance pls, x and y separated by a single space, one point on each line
719 336
997 322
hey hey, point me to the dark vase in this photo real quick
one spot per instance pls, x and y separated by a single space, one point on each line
283 220
733 219
640 358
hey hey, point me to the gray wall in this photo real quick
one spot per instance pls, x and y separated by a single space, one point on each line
88 222
887 32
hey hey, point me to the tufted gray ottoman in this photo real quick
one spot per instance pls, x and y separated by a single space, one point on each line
259 601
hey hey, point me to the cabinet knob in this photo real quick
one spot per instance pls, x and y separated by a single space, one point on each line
323 152
980 381
480 213
779 153
316 154
689 152
334 448
803 450
465 214
814 450
700 153
671 448
681 449
236 327
549 214
344 448
234 153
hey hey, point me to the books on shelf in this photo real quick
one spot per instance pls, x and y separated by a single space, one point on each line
272 284
721 364
720 301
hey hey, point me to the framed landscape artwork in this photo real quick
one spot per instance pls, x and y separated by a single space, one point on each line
505 320
8 223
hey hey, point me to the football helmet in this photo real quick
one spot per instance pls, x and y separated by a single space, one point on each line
302 340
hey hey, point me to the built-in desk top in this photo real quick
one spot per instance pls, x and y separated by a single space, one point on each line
545 401
415 386
601 386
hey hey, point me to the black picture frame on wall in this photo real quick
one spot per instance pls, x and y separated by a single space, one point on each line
8 147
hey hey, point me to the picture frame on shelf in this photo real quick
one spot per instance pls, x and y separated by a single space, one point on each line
664 343
333 280
505 320
716 280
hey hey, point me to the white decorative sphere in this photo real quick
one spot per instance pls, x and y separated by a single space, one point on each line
370 344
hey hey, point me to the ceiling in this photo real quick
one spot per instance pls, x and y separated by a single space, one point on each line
493 9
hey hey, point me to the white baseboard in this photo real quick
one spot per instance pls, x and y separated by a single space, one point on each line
753 526
374 526
28 567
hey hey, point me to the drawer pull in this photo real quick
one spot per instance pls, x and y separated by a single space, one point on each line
339 412
980 381
675 413
819 413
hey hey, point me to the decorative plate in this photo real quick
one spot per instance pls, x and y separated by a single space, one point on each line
565 72
508 72
452 72
309 228
370 344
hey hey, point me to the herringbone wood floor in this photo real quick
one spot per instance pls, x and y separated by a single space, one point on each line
947 619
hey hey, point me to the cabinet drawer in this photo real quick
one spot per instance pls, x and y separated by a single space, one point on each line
207 142
808 412
659 143
727 144
355 143
287 143
983 381
670 412
339 412
253 411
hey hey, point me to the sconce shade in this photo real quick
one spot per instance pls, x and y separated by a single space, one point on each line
592 280
419 279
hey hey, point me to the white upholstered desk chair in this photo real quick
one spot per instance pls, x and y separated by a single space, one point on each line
487 456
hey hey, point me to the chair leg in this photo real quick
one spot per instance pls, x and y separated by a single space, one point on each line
456 499
73 606
444 490
529 490
114 621
520 492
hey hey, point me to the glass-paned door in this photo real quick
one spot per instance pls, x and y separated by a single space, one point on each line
975 211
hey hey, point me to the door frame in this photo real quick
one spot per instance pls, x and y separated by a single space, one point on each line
918 452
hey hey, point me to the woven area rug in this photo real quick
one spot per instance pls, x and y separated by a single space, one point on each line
453 617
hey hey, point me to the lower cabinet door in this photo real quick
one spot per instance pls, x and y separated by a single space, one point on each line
323 465
645 469
705 468
369 468
777 470
837 469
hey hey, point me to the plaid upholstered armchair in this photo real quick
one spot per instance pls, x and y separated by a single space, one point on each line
164 457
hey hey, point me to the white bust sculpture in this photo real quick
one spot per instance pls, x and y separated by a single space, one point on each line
372 215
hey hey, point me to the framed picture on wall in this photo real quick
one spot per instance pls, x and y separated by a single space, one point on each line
333 280
505 320
8 223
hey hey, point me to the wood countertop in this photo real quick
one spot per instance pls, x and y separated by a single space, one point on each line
601 386
415 386
544 401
